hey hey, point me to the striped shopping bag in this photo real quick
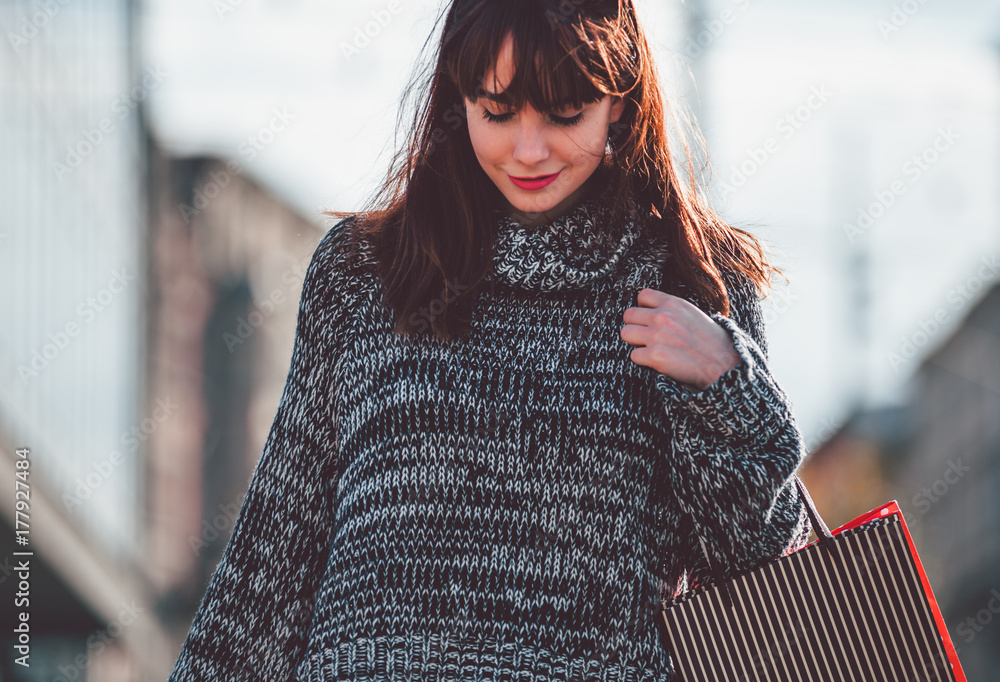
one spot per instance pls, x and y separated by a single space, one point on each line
853 605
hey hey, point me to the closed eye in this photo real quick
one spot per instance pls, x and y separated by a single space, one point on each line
557 120
571 121
496 118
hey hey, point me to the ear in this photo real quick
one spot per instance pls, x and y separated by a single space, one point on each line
617 108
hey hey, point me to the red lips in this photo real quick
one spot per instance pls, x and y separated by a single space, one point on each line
535 183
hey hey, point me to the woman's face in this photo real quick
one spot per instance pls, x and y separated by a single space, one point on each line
567 144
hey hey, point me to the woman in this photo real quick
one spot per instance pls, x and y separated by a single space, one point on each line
502 442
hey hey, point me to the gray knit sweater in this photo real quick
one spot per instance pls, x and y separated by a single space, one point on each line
512 505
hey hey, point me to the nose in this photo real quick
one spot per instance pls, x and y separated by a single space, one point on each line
530 147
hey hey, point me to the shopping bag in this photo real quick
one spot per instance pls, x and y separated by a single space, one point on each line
853 605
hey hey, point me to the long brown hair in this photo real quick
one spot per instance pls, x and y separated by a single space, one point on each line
430 223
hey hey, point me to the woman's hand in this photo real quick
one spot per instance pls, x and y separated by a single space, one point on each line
678 339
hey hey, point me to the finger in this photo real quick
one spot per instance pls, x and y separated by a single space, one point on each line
636 335
638 316
652 298
642 356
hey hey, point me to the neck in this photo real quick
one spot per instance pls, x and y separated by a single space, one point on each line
535 218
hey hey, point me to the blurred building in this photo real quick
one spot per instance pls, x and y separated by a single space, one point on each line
227 261
145 340
72 339
939 457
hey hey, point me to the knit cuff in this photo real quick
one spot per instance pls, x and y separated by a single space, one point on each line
744 403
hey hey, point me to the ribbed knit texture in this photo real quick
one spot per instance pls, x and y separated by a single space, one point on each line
509 506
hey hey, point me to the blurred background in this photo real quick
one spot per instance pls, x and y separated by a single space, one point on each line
163 168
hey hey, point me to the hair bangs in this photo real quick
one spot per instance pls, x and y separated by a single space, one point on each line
546 74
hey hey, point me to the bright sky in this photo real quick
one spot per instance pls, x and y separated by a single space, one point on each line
825 104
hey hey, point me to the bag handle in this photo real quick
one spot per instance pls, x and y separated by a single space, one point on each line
826 539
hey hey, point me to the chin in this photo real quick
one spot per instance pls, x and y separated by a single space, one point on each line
533 205
534 202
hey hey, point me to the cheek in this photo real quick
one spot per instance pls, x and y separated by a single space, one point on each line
486 143
585 145
596 136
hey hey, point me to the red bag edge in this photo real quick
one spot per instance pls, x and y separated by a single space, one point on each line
892 507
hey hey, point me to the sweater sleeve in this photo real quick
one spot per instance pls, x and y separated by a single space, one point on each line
253 620
735 446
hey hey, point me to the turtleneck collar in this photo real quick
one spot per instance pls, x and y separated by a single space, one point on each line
571 251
